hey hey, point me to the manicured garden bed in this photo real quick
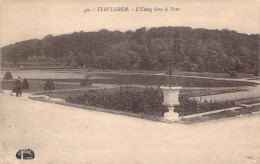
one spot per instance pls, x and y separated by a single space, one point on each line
136 100
189 105
192 106
144 103
133 99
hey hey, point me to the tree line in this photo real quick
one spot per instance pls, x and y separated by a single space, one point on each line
183 48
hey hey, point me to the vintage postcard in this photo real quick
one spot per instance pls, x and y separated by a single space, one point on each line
130 82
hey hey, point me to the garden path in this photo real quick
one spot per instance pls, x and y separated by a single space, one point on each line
62 134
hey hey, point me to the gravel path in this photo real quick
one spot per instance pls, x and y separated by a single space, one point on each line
61 134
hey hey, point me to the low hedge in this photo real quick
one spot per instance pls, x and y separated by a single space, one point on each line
148 101
192 106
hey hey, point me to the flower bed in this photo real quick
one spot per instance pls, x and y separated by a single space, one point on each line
137 100
192 106
189 105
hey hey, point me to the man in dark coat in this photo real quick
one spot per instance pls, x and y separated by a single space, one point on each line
18 87
14 87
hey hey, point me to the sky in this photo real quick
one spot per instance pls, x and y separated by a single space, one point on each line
34 19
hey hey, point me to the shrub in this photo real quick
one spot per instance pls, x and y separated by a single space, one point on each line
25 84
148 101
86 82
49 85
8 76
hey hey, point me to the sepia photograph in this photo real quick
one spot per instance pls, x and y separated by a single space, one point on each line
130 82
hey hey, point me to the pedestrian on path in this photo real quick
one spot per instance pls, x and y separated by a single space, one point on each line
18 87
14 87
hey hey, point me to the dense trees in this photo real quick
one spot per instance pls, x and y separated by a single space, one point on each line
145 49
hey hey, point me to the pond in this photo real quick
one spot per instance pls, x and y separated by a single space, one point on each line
126 78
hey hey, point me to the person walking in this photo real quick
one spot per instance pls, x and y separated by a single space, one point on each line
18 87
14 87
